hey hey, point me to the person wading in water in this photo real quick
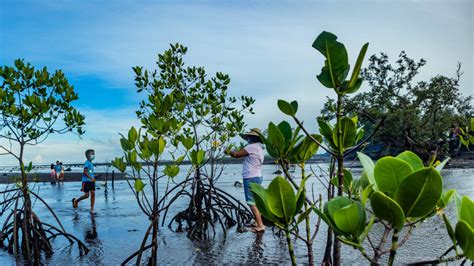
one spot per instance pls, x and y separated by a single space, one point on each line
251 170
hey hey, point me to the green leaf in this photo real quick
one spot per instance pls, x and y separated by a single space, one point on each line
347 219
327 131
419 192
336 64
358 65
465 238
440 166
188 142
457 202
260 198
303 216
326 219
387 209
286 108
294 105
305 149
161 145
139 185
119 164
354 88
366 193
360 135
132 135
446 197
286 130
349 132
171 170
450 229
333 205
467 211
322 41
368 166
412 159
389 172
276 138
281 199
197 157
126 145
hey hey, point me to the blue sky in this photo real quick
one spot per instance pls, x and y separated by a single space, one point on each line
265 46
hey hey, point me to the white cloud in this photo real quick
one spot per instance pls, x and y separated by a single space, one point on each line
264 46
102 135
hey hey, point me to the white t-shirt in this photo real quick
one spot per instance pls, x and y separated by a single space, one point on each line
252 166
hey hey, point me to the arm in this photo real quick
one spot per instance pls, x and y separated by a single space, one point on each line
238 154
86 172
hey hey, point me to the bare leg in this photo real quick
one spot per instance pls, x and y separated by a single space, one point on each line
92 200
85 196
258 218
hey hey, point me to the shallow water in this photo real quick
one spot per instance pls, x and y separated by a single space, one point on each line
118 227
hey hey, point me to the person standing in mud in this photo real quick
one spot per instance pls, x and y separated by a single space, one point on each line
251 170
88 181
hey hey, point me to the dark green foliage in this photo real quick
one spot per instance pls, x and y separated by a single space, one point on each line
418 114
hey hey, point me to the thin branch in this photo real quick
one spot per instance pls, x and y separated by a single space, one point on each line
300 124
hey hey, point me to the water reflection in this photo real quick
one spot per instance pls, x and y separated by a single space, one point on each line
94 243
91 232
255 251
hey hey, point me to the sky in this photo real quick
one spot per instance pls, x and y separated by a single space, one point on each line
265 47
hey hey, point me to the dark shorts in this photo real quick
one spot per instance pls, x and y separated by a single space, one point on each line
88 186
248 194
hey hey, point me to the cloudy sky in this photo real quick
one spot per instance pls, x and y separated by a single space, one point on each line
265 46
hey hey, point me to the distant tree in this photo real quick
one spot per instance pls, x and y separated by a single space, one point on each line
418 114
33 105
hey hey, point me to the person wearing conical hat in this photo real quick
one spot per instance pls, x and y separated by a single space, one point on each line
252 155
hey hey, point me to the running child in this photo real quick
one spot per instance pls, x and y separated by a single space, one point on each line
88 181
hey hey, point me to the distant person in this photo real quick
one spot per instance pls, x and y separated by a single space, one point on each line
251 171
61 174
88 181
53 173
57 169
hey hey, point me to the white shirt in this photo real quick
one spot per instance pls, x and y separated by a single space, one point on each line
252 166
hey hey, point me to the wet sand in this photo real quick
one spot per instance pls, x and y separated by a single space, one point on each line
117 229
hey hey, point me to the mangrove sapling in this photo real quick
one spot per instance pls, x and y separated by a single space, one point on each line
31 103
143 152
402 192
288 147
279 204
209 120
344 137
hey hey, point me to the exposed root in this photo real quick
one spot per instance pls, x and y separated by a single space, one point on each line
24 233
208 207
